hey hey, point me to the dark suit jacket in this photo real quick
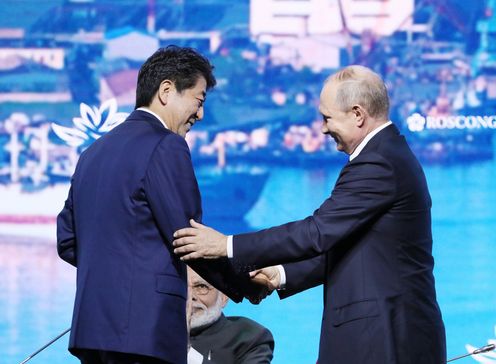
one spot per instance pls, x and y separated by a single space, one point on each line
234 340
131 190
370 245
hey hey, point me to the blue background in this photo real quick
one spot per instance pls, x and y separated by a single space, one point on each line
37 288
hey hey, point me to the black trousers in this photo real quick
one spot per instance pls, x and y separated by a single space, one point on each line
89 356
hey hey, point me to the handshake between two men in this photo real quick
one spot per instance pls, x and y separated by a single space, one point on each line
202 242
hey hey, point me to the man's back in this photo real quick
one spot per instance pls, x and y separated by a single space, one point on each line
131 290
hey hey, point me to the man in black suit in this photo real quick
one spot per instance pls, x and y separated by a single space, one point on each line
369 244
215 338
131 190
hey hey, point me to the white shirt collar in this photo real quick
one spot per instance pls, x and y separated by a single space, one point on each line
369 136
145 109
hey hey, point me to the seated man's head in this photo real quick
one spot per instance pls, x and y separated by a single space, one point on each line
207 301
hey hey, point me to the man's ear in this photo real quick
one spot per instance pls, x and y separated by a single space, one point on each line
360 114
225 299
166 86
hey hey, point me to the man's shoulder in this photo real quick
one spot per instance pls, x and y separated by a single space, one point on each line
388 147
145 131
245 325
235 340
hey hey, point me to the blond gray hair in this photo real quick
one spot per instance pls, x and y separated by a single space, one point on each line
360 85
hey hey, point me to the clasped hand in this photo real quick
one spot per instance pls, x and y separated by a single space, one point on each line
268 279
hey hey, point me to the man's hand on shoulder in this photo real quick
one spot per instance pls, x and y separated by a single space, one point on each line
199 241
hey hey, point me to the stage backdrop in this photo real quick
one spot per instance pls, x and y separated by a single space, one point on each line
68 72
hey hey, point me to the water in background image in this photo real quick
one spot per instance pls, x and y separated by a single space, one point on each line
37 288
68 74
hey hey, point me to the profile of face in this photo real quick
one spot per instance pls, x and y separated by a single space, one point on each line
185 108
341 125
207 302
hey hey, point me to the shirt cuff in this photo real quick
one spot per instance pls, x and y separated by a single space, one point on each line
229 247
282 273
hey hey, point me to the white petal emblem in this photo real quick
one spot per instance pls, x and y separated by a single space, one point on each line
90 125
71 136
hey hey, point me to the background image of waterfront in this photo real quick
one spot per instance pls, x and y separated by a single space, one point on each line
259 150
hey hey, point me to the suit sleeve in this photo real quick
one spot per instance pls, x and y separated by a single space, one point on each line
174 198
303 275
66 238
171 187
364 191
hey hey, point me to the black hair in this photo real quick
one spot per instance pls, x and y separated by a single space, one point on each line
181 65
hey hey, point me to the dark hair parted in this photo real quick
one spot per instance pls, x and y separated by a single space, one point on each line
181 65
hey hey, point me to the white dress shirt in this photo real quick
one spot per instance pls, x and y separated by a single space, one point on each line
194 357
145 109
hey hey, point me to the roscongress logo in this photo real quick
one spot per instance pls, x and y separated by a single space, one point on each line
417 122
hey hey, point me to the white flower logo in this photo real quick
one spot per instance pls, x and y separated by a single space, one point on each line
90 125
416 122
484 358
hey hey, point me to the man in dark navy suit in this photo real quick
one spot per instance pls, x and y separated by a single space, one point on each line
131 190
369 244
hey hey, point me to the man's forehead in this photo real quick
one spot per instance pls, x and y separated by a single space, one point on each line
329 87
199 93
322 109
324 105
196 278
327 96
200 87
